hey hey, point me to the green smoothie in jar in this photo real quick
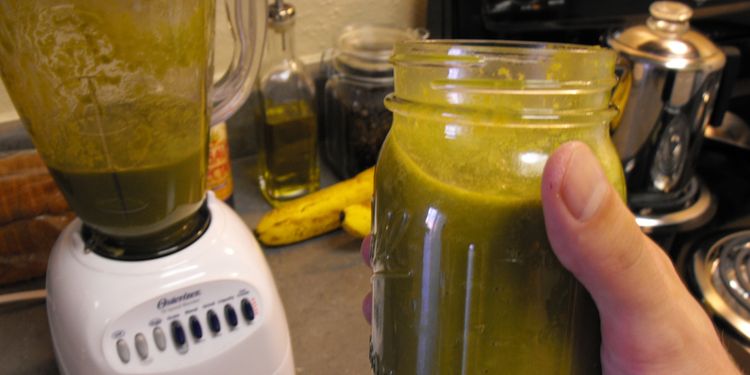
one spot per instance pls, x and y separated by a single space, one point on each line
465 281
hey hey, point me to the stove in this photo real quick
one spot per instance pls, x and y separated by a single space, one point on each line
714 258
664 215
719 273
716 268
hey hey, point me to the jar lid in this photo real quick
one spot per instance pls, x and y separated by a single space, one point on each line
668 40
368 48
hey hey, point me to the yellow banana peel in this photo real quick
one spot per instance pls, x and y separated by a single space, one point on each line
357 220
314 214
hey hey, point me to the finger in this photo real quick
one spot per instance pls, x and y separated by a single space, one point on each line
595 236
367 307
365 248
647 315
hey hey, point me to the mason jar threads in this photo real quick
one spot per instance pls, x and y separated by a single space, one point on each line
355 121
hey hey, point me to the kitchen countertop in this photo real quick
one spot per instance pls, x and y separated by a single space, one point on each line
321 281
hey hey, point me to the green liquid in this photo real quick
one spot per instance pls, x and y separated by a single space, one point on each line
466 283
287 152
145 172
114 95
135 201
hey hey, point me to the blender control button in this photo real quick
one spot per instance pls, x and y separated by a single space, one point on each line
230 315
195 327
247 310
123 351
160 339
213 321
178 334
141 346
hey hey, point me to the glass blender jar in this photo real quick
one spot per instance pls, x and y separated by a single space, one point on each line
115 96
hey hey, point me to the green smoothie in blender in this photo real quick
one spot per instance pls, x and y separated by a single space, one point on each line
118 110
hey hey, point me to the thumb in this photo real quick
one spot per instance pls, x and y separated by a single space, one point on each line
649 320
595 236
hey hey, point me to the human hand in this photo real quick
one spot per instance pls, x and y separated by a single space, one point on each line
650 324
365 249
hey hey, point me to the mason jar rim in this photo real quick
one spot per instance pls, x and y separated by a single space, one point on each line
513 79
504 67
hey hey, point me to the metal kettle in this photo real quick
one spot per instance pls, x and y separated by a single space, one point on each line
669 78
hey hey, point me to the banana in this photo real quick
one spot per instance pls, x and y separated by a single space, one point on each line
357 220
315 213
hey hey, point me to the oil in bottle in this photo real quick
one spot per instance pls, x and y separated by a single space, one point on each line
288 165
287 143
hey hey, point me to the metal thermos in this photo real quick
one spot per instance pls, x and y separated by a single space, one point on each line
669 77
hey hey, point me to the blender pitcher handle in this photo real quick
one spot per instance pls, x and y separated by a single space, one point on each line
248 24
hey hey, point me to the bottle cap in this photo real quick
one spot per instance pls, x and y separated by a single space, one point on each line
281 12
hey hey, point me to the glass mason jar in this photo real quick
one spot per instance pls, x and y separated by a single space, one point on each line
355 119
464 278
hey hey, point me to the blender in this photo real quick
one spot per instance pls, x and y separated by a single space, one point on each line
155 276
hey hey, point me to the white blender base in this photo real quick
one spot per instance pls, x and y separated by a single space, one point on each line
130 317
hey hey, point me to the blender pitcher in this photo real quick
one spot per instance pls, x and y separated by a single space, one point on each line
117 97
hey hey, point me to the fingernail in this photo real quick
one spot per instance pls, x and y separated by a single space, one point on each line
584 185
365 249
367 307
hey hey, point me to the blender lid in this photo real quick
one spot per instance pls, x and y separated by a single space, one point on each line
721 273
668 40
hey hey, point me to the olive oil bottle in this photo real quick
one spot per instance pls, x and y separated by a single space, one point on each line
287 141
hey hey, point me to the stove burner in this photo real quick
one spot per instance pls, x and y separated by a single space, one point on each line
721 274
661 202
691 215
733 270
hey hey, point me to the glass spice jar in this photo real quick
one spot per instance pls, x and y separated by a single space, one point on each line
355 121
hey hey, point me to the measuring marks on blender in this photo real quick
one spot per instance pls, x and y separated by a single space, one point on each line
183 327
